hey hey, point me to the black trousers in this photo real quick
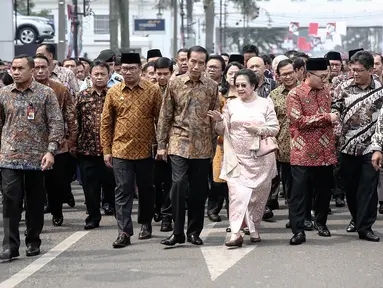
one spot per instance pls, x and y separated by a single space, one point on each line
219 192
58 182
127 173
163 184
284 168
15 183
274 191
338 189
320 178
95 176
360 181
192 173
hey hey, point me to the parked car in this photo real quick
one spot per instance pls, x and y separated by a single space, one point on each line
32 29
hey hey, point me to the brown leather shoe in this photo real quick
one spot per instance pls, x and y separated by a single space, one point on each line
235 243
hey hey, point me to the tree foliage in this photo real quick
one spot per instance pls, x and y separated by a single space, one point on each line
248 8
21 6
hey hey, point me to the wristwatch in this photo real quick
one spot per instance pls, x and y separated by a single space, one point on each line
52 148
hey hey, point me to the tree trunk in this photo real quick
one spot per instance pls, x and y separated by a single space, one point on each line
124 18
209 20
113 24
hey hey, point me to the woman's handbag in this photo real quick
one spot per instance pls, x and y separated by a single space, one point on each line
266 146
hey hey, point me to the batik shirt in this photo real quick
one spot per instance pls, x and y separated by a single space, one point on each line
67 78
184 127
311 129
31 123
129 119
279 96
69 114
359 110
267 86
89 106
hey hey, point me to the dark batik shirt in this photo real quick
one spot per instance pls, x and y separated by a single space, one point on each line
359 110
89 106
267 86
25 141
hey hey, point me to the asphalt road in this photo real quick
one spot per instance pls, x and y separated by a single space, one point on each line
72 257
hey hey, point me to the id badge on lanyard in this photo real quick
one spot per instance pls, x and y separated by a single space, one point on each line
30 112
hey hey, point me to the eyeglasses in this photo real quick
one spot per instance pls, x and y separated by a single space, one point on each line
130 69
322 77
289 74
357 71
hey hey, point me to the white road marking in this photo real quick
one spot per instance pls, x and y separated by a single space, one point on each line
219 258
42 261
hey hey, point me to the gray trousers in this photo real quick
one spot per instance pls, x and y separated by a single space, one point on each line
127 173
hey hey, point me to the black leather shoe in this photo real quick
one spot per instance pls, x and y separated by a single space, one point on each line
322 230
339 202
308 225
268 214
245 230
146 232
214 218
166 226
173 240
71 201
329 211
228 229
57 221
32 251
91 225
298 238
194 239
273 204
47 209
122 241
369 236
380 210
8 255
108 209
235 243
351 227
157 217
288 225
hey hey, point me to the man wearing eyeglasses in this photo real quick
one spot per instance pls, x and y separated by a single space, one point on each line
358 101
312 152
335 62
127 135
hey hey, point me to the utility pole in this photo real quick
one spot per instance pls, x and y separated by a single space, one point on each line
175 28
113 24
189 17
28 8
61 43
182 23
209 37
225 27
220 27
124 18
75 30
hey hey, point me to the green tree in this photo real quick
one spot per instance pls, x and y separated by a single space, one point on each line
21 6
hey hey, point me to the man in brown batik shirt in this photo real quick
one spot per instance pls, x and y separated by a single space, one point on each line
127 136
185 132
58 180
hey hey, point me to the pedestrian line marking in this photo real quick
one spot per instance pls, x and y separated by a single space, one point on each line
220 258
43 260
